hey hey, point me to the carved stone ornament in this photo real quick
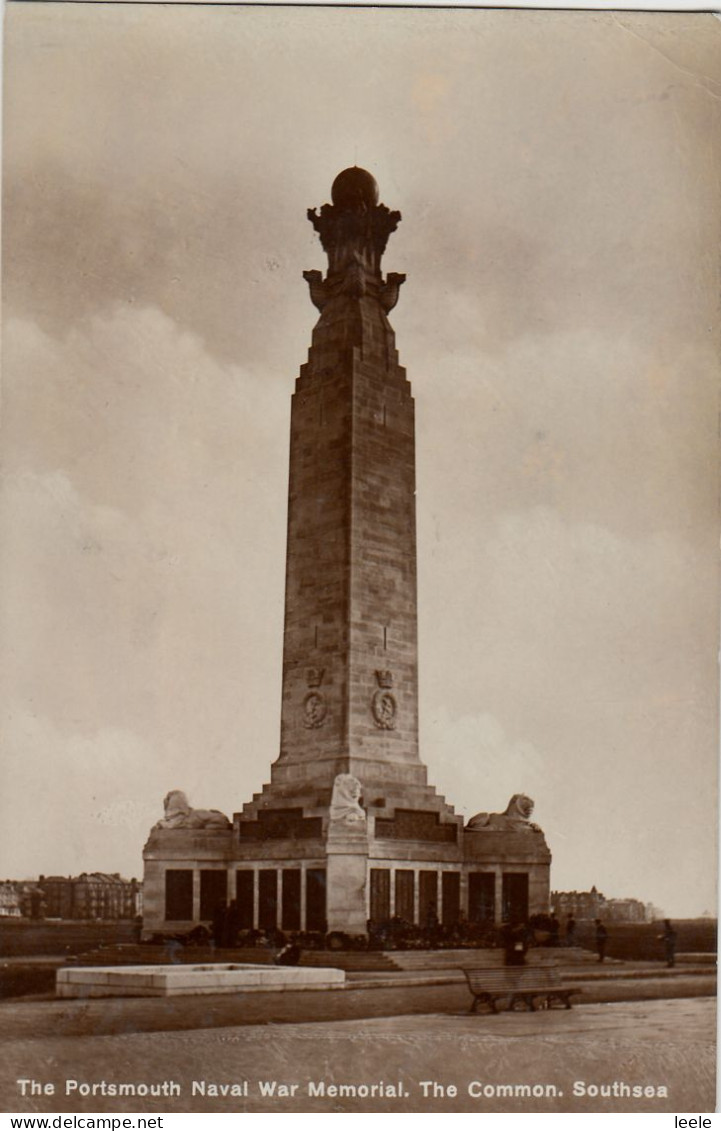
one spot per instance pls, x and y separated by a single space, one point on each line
390 290
180 815
354 231
345 801
317 288
344 230
315 707
354 280
315 710
514 819
383 705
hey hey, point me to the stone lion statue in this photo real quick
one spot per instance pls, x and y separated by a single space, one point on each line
516 817
345 802
180 815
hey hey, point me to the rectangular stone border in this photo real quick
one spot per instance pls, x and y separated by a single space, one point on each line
208 978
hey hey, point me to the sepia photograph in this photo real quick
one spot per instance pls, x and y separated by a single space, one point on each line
359 534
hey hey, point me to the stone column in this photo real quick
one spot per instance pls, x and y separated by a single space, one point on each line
463 893
498 894
196 895
256 897
347 872
303 895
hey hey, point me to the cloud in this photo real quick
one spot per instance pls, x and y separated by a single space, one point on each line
477 765
527 179
553 603
77 798
601 427
141 554
577 665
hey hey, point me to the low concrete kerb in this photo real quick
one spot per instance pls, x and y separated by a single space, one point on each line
205 978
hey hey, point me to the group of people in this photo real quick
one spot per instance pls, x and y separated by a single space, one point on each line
398 933
554 932
516 937
667 937
544 930
227 933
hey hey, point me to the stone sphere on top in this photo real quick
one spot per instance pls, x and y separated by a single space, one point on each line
354 188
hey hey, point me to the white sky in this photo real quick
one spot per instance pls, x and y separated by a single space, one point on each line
558 178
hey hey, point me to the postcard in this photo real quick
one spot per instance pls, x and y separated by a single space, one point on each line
359 582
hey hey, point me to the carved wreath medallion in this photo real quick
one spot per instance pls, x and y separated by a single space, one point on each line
315 707
315 710
383 704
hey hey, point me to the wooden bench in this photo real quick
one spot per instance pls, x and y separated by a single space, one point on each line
525 984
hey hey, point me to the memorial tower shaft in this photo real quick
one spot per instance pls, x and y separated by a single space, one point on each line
350 662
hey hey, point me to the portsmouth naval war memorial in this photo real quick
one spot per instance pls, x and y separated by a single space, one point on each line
348 832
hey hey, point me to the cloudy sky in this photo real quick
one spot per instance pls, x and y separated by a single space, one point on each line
558 179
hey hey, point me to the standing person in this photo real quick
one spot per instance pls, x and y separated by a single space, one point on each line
515 943
669 940
570 931
290 954
555 927
231 925
218 928
432 926
601 939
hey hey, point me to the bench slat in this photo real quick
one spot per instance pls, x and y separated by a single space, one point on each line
488 985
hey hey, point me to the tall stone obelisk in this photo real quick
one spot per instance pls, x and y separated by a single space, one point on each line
348 832
350 661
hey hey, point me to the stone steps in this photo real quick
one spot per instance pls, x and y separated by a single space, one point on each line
314 802
490 956
169 955
365 960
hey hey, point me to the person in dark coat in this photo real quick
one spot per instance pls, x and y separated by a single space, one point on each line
290 954
432 926
570 931
515 943
601 940
555 929
231 924
218 928
669 941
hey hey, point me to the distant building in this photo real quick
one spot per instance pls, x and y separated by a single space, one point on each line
91 895
21 899
581 904
10 900
594 905
626 911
